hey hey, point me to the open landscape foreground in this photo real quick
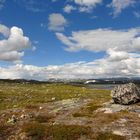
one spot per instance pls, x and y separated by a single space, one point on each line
64 112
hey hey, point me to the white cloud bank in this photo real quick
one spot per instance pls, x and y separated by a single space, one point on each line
57 22
120 64
13 43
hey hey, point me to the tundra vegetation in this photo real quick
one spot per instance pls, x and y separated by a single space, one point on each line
61 112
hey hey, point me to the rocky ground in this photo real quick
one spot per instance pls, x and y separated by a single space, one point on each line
88 118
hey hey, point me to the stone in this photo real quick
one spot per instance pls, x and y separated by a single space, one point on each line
108 110
112 108
53 99
40 107
126 94
117 132
13 119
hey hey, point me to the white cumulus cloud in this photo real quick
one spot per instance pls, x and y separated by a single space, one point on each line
57 22
14 43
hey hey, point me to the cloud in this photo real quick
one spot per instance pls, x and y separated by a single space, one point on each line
122 55
115 56
87 5
102 39
69 8
88 2
136 14
33 5
109 66
121 47
12 46
57 22
4 30
81 5
119 5
2 3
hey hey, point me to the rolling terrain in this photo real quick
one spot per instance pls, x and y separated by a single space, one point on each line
58 111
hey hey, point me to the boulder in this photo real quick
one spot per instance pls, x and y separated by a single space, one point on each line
126 94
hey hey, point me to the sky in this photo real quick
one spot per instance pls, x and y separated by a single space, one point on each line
69 39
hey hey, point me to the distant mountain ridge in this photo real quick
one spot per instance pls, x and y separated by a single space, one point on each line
120 80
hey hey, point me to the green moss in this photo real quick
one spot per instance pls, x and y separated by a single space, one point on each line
93 107
21 95
87 111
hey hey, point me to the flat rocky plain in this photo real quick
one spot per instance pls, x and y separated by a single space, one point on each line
64 112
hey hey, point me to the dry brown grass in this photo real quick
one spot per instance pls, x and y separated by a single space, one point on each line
37 131
107 136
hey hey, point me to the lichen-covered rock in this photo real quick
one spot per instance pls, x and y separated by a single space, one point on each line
126 94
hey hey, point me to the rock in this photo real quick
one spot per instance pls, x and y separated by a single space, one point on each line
126 94
117 132
40 107
122 121
108 110
13 119
23 116
53 99
122 132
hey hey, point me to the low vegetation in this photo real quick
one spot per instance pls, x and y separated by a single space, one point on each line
108 136
39 131
34 130
29 95
42 112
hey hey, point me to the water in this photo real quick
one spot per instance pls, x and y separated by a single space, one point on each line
102 86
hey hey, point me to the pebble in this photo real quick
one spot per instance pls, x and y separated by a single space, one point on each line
53 99
40 107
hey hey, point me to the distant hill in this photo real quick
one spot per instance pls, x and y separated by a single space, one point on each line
120 80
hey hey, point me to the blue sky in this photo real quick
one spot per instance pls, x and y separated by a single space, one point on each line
42 39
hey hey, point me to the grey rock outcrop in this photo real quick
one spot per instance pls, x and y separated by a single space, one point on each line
126 94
